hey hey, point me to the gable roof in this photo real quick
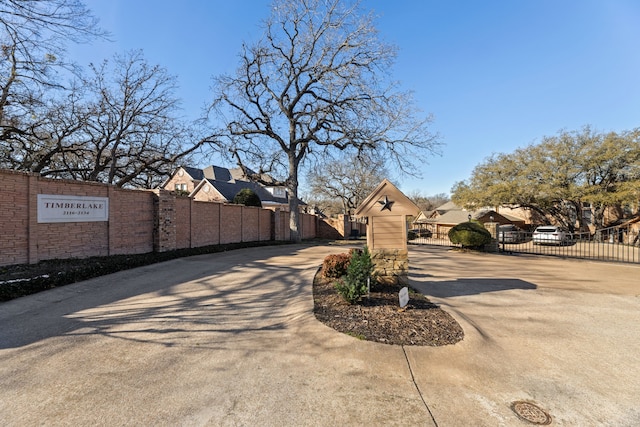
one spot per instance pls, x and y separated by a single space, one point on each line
217 173
239 175
512 218
449 206
230 189
423 216
196 174
450 213
456 216
228 182
397 202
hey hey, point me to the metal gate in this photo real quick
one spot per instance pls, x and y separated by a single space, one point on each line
614 244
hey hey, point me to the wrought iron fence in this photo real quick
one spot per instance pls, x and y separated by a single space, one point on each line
619 244
614 244
428 238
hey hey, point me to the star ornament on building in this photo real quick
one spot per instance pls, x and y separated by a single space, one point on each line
386 204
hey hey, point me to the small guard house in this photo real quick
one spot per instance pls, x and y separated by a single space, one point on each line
386 210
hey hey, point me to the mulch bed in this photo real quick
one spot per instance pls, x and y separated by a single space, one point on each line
379 317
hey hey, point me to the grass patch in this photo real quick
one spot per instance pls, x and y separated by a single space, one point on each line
356 335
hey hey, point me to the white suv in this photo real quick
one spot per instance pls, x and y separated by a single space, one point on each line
550 235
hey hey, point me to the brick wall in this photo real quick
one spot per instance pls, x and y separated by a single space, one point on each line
251 224
140 221
327 230
339 228
183 222
308 226
266 224
14 218
230 223
205 224
131 221
68 240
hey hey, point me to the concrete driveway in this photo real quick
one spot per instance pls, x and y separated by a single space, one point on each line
562 334
230 339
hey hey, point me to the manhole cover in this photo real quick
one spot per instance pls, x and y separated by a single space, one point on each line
527 411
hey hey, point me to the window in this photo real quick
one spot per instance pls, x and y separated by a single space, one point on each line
278 192
181 187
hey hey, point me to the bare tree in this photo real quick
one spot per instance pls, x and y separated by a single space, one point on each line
349 179
322 205
119 126
51 137
133 135
33 35
133 129
317 80
428 203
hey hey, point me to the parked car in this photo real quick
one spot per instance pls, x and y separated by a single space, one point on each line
425 233
550 235
421 232
510 233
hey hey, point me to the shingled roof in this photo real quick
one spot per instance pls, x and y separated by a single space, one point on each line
195 173
230 189
217 173
228 182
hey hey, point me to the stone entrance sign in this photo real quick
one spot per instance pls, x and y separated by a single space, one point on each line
63 208
386 210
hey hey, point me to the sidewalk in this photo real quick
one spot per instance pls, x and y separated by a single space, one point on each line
230 339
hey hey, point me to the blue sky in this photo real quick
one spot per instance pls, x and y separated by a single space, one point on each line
496 75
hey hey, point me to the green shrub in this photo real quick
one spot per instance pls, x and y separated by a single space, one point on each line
470 234
335 266
354 284
247 197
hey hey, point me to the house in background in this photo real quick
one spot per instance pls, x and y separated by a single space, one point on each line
584 217
218 184
440 220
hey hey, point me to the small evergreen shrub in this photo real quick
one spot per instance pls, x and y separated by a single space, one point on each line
470 234
247 197
354 284
335 266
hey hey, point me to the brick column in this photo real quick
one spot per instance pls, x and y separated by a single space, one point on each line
111 230
164 230
275 225
342 226
493 229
